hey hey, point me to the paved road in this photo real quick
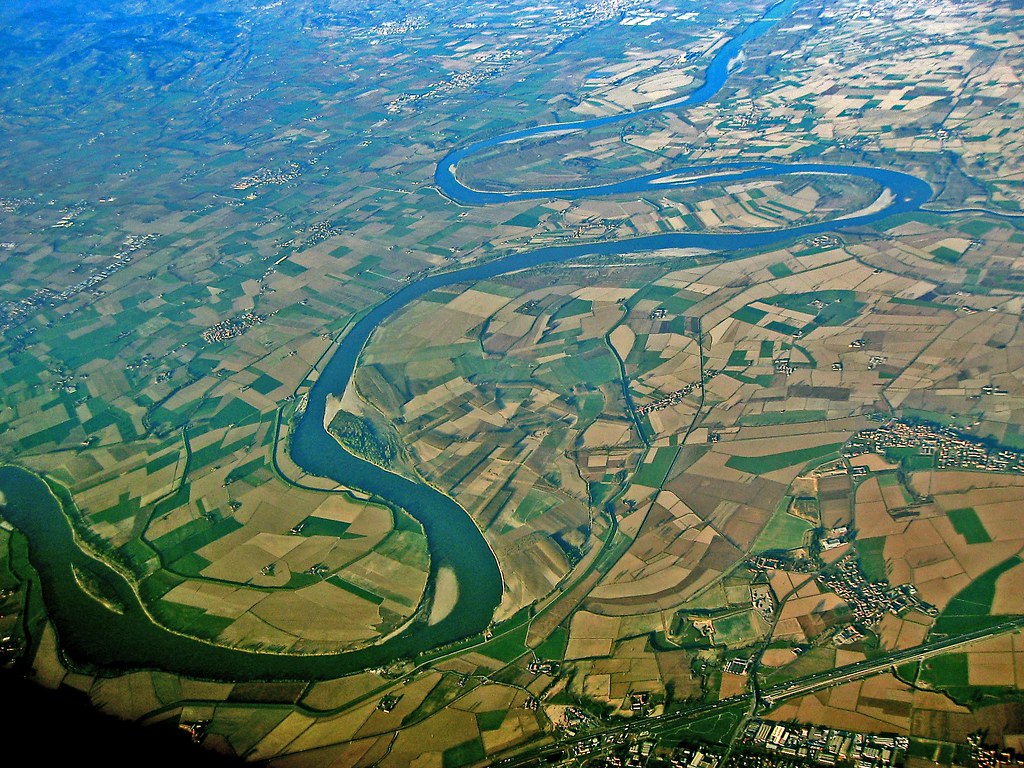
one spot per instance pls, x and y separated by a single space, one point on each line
811 683
596 740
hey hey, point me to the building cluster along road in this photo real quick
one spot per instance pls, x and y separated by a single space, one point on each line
605 739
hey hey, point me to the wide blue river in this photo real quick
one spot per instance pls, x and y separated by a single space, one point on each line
93 634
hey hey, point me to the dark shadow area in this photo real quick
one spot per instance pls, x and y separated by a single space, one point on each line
62 727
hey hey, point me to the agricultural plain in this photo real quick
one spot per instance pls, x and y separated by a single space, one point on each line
703 471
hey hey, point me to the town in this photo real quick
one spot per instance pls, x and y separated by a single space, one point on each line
232 327
13 313
950 449
761 744
678 395
870 601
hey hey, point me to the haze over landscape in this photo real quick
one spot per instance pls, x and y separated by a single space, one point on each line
618 383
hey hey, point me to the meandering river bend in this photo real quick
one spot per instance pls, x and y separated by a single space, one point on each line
93 633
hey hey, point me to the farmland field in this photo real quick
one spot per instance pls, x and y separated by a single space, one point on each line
760 465
968 525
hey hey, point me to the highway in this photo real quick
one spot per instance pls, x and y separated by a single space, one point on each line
845 674
597 740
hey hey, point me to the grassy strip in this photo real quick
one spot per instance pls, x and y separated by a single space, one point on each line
761 465
781 417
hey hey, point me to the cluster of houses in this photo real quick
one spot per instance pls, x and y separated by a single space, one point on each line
870 600
987 756
267 176
676 397
494 64
14 312
232 327
951 449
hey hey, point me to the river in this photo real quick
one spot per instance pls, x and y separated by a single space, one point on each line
101 637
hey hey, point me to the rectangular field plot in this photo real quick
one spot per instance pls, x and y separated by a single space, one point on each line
968 525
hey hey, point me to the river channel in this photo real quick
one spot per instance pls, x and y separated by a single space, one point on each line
99 636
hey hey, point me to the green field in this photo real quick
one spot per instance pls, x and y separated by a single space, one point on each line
945 671
405 546
761 380
815 660
530 218
652 474
761 465
717 728
938 752
892 480
784 531
979 228
464 754
687 635
967 524
490 721
871 557
189 619
355 589
592 364
447 690
553 647
574 307
749 315
971 607
166 460
507 647
193 536
590 408
781 417
536 502
948 255
254 472
320 526
929 417
923 303
237 412
127 505
841 306
779 327
665 295
738 359
736 630
265 384
949 673
25 594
